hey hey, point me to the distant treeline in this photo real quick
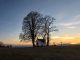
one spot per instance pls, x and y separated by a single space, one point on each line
5 46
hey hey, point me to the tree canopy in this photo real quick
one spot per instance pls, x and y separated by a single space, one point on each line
35 23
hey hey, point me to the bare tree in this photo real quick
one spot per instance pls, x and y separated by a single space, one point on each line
34 24
31 25
47 28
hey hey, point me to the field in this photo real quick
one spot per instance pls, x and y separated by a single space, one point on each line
41 53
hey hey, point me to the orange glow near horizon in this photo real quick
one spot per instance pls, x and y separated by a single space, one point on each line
66 39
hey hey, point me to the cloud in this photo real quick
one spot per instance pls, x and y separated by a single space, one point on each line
71 23
66 39
62 37
77 17
71 27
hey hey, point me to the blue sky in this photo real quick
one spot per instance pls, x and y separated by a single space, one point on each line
12 12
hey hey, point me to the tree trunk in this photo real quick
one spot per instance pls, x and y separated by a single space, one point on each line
48 37
33 42
48 41
33 38
32 31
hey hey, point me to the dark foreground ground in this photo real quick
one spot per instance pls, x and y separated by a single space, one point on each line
41 53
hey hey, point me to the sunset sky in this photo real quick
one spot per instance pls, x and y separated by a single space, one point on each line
66 13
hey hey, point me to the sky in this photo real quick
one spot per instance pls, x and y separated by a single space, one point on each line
66 13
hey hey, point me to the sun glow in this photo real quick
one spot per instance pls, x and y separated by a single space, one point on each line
65 39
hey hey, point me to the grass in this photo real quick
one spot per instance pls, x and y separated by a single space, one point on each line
41 53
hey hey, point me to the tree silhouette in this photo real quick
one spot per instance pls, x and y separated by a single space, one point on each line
47 28
34 25
31 25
